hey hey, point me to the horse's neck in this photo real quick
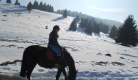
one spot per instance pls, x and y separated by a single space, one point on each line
71 63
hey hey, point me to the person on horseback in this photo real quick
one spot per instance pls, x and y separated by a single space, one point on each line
54 45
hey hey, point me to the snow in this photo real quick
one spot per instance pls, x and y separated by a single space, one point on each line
20 29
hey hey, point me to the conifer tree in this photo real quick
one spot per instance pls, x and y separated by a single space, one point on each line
65 13
8 1
40 6
16 3
127 34
105 29
113 32
81 23
77 18
84 23
35 5
89 28
73 25
96 28
29 6
44 7
48 7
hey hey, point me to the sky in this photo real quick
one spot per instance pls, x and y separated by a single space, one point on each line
117 10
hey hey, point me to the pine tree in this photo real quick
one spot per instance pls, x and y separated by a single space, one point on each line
127 34
35 5
89 28
52 9
65 13
40 6
29 6
96 28
8 1
84 23
44 7
81 23
77 18
48 8
16 3
113 32
73 25
105 29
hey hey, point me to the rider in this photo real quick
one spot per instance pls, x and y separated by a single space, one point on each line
54 45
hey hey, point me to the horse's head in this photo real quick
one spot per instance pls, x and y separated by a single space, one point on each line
72 76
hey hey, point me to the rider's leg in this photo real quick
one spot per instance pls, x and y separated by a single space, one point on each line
57 50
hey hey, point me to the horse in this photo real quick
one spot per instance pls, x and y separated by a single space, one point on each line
36 54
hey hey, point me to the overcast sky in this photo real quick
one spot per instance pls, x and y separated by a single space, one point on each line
117 10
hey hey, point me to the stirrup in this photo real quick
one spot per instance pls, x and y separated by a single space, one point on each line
58 65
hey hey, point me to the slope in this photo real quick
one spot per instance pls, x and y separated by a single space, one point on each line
17 31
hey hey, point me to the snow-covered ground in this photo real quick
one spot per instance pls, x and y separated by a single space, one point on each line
20 29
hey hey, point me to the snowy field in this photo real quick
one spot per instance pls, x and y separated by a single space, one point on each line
20 29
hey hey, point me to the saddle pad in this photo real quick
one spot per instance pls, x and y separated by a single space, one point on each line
50 55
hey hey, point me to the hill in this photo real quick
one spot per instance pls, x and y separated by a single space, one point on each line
110 23
96 56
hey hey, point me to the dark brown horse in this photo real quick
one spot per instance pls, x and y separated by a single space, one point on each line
36 54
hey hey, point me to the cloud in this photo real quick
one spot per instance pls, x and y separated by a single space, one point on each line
108 10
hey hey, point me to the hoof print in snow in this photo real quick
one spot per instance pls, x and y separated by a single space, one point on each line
4 20
117 63
108 55
5 15
135 67
122 58
41 70
99 54
132 61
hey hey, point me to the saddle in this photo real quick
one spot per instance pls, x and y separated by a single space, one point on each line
51 55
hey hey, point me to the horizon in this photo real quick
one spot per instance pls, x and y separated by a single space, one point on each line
107 9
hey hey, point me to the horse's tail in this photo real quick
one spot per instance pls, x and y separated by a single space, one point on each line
24 65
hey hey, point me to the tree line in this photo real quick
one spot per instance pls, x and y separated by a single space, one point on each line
87 22
41 6
126 35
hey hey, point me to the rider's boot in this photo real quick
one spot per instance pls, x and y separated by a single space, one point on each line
58 62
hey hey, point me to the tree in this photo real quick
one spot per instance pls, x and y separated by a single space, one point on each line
8 1
105 29
35 5
44 7
77 18
81 23
84 23
65 13
29 6
16 3
127 34
96 28
113 32
40 6
89 28
73 25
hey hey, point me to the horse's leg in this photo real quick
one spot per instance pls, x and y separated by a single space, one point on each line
64 72
30 69
58 73
23 68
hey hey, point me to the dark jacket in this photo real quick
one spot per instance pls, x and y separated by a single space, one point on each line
53 39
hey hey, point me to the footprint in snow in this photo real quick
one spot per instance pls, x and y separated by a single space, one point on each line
41 70
6 68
